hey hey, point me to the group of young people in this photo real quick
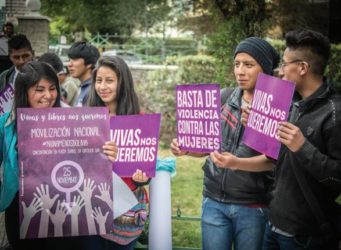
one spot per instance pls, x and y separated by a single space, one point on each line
253 202
249 200
106 82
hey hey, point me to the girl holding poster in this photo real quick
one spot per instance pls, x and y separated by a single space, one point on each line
36 87
113 87
235 203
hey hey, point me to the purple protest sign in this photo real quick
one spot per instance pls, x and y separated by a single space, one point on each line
198 117
6 99
137 138
270 104
65 186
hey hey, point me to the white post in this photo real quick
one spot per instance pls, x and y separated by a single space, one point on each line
160 225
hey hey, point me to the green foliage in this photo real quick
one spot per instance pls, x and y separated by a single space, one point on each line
334 68
196 69
237 20
103 16
279 45
157 95
222 44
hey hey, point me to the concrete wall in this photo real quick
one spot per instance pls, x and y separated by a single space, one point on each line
15 8
36 28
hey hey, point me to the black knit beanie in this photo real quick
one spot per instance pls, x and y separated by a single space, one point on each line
261 51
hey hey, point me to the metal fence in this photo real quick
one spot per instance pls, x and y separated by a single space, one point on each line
149 49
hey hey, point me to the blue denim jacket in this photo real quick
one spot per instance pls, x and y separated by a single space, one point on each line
9 171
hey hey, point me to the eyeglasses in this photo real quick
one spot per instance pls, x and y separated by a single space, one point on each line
284 64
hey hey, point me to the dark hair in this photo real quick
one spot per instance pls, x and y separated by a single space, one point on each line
7 24
84 50
127 100
30 74
53 60
19 42
314 46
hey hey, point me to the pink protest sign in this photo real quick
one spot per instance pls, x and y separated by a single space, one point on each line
198 117
6 99
270 105
65 186
137 138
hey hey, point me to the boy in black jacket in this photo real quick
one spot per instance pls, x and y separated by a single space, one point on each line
311 146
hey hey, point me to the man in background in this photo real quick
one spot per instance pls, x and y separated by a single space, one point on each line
20 52
83 57
7 32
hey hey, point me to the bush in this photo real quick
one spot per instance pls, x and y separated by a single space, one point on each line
158 94
334 67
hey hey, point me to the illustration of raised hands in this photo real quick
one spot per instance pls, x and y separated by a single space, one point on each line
88 188
100 219
43 194
77 205
29 212
104 189
58 218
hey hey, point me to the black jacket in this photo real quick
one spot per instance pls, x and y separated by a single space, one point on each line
319 118
229 186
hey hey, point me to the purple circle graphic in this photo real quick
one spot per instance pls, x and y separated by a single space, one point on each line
68 182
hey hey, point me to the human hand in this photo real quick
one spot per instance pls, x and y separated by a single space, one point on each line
245 115
88 188
100 219
105 194
290 135
110 149
140 176
44 196
34 207
223 160
175 148
29 212
77 205
58 218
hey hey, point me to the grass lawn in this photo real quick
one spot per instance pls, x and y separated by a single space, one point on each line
186 196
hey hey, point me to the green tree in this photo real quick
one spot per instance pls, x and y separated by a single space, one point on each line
226 22
105 16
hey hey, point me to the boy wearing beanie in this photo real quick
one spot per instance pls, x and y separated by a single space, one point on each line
83 57
303 212
235 203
